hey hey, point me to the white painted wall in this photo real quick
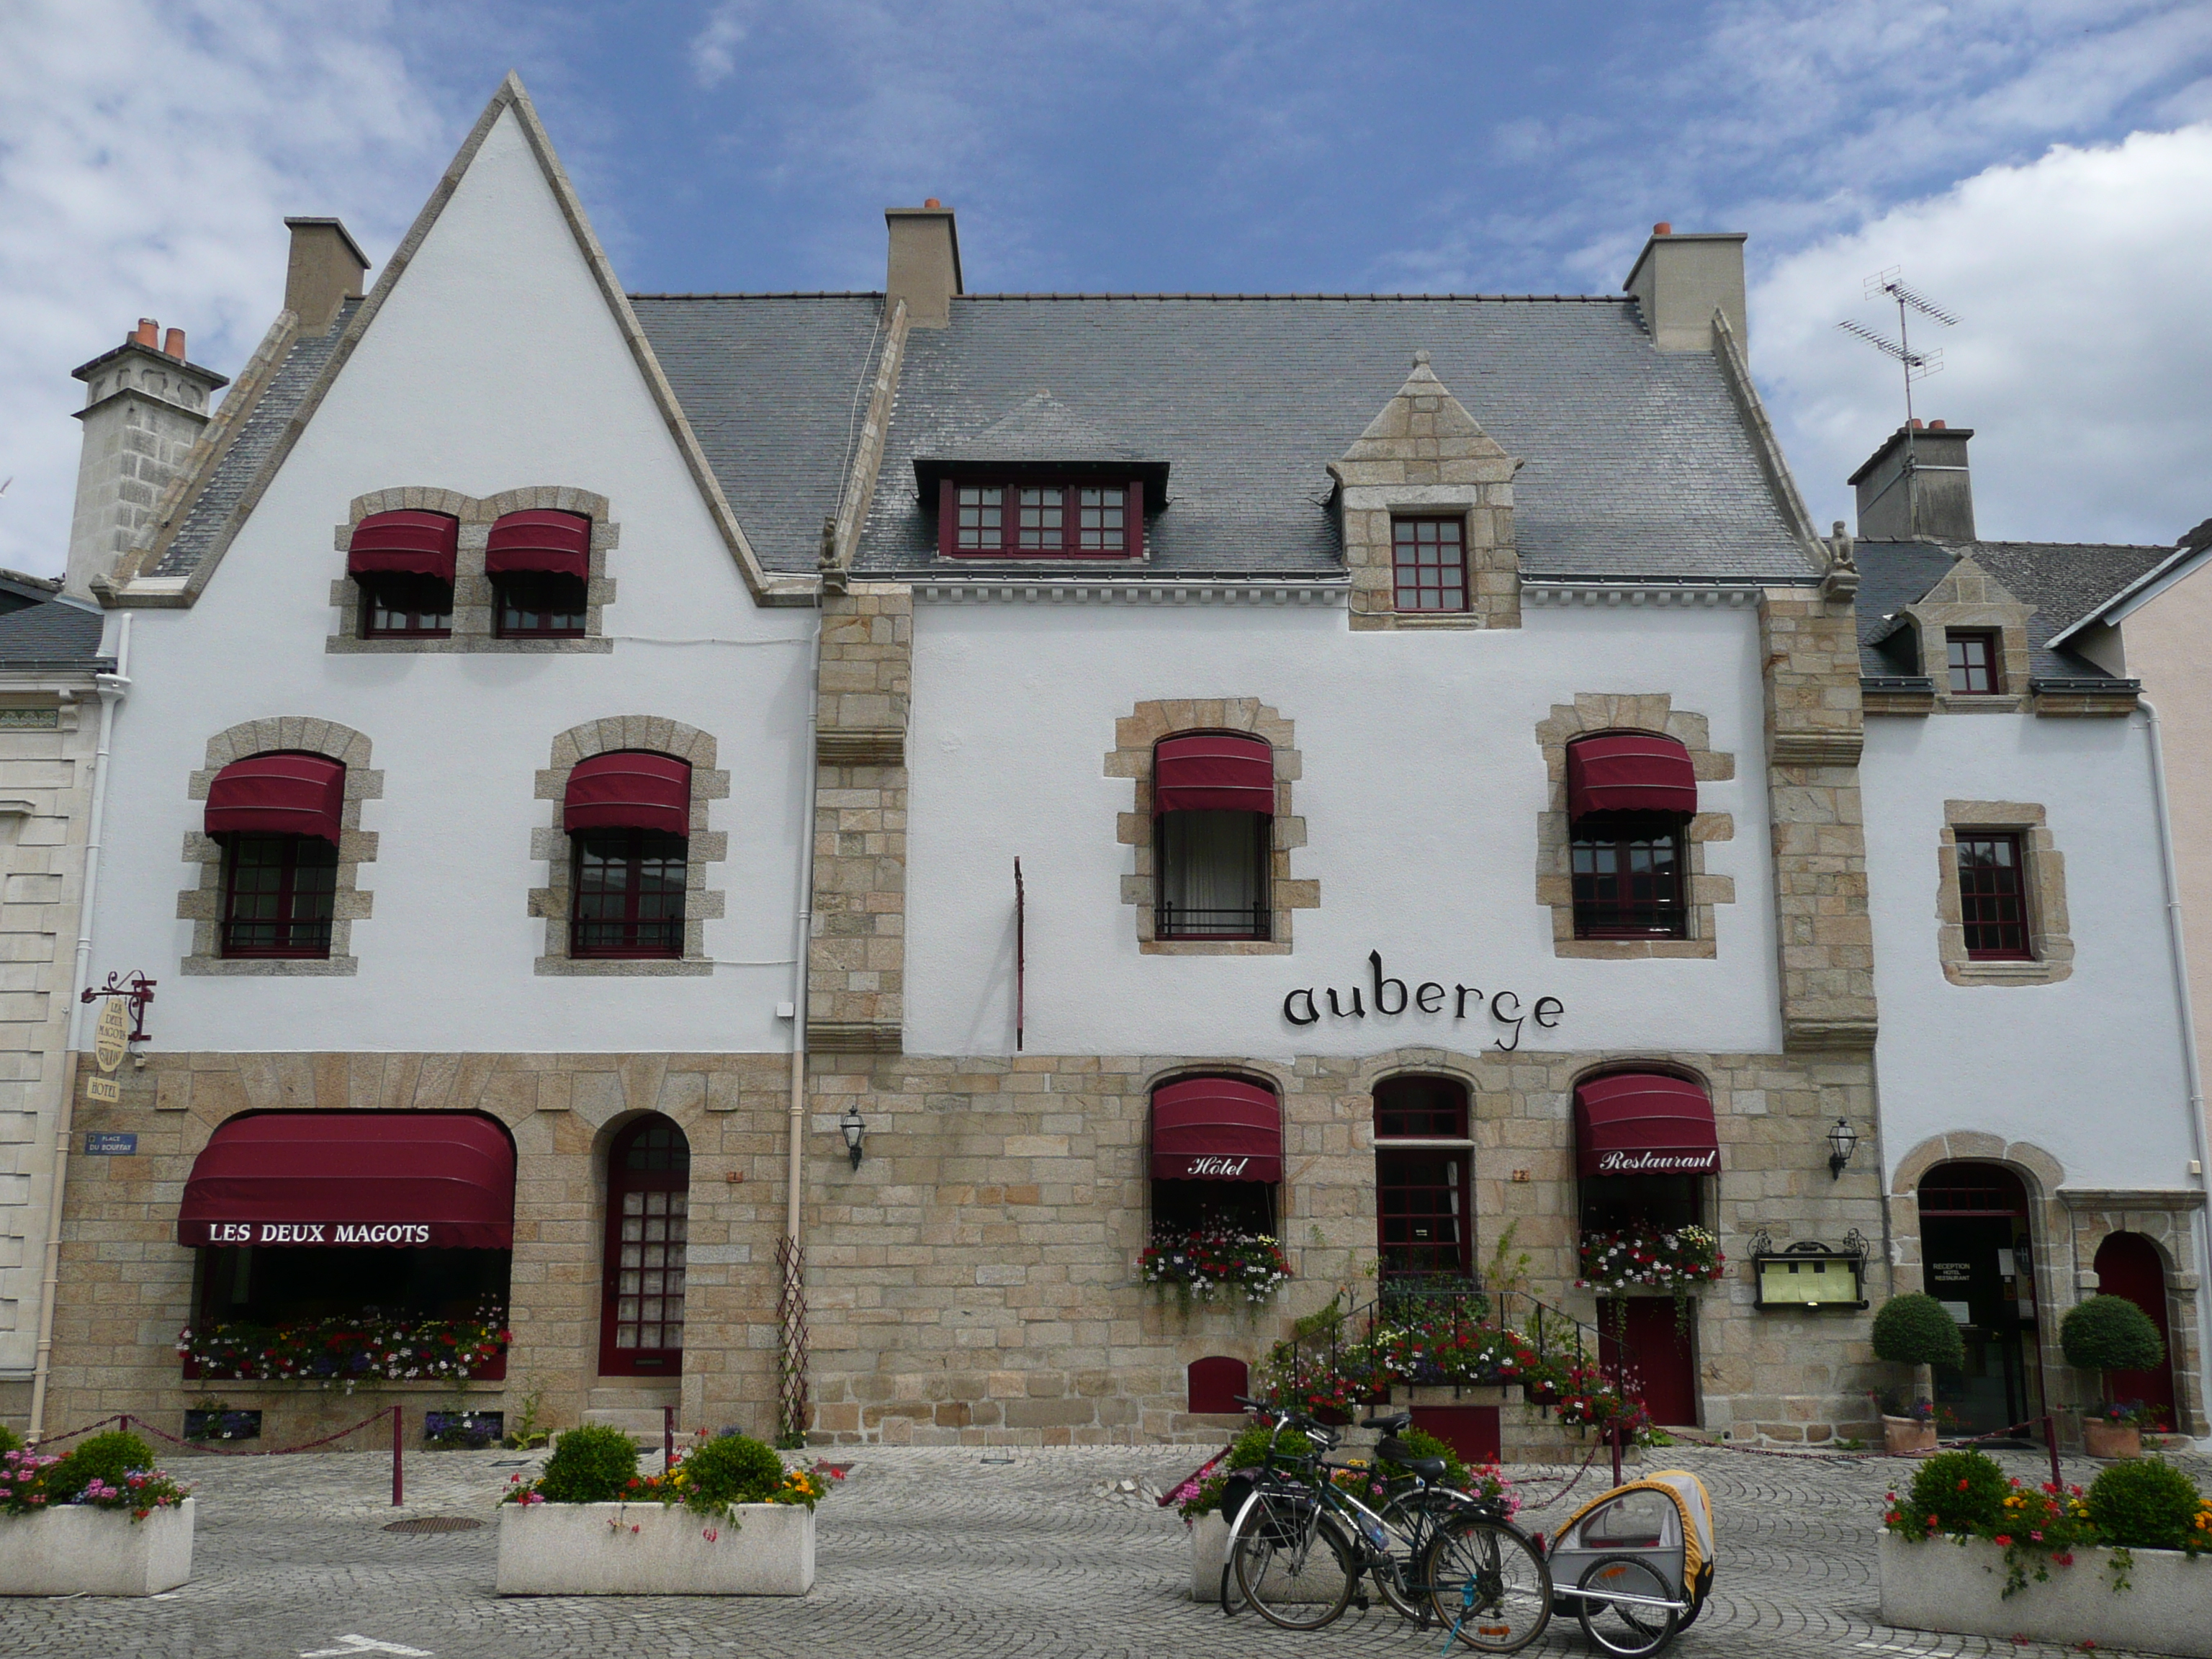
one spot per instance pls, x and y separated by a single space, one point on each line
2090 1069
1422 785
494 364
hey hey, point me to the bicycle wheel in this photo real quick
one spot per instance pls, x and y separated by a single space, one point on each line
1614 1605
1399 1579
1489 1585
1292 1562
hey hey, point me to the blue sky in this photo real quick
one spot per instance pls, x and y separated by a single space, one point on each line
2043 166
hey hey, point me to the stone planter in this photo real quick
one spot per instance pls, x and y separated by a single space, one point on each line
1209 1537
649 1549
2110 1440
1941 1585
76 1550
1907 1436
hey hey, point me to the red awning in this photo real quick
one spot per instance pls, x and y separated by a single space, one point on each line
425 1180
277 795
544 542
1213 772
403 544
1643 1123
1216 1128
1630 772
630 789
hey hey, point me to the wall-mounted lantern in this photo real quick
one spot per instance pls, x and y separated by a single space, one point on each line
1842 1143
856 1128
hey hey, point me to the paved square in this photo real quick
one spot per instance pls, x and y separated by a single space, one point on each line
923 1553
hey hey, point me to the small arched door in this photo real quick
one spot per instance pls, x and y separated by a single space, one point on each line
2128 1265
642 1292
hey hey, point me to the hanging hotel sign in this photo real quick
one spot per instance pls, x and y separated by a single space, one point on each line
1386 998
111 1041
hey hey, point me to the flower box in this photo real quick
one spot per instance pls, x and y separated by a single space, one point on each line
80 1549
2101 1438
652 1549
1907 1436
1942 1584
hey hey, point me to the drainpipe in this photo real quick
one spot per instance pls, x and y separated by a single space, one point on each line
801 950
2190 1069
113 689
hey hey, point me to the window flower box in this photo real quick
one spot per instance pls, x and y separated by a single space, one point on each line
1957 1585
82 1549
364 1347
654 1549
1207 1260
1678 1258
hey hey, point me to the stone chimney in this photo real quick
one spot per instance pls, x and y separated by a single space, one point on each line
144 408
1916 487
1679 280
325 271
925 262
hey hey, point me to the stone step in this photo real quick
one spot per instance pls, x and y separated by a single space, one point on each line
641 1425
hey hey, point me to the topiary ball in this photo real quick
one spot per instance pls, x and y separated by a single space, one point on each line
1914 1330
592 1464
2110 1333
1249 1449
106 1457
734 1469
2147 1505
1962 1490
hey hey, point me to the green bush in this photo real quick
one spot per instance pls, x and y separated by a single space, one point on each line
2143 1505
731 1470
1914 1330
8 1439
2110 1333
1421 1443
106 1457
1963 1489
1249 1449
591 1465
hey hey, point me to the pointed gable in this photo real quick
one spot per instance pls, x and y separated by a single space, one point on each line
1967 598
1424 435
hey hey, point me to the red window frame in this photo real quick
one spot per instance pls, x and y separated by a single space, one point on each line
1415 1184
648 1191
1993 895
395 606
287 885
539 604
1173 921
1065 527
1971 658
1629 877
1428 563
617 915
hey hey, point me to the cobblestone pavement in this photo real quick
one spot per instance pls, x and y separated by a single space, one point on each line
923 1554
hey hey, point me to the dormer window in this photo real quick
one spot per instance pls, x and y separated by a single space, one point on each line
1039 519
402 563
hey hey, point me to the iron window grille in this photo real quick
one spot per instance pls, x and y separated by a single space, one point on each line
1428 559
629 887
1628 878
1973 663
534 606
1993 898
1032 520
278 895
402 607
1213 875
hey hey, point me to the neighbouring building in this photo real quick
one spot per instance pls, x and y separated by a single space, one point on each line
1390 773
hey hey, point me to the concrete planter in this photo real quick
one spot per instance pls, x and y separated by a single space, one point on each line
76 1550
1941 1585
649 1549
1907 1436
1209 1537
2110 1440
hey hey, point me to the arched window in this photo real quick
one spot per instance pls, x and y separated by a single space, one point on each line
1977 1259
1217 1157
276 817
540 565
629 813
1423 1171
402 563
1630 798
641 1297
1213 804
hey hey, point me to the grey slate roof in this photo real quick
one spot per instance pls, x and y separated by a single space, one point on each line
57 635
1637 463
256 438
767 382
2063 582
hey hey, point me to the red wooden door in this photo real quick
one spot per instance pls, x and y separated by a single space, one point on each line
1470 1431
2128 1265
1662 1354
642 1292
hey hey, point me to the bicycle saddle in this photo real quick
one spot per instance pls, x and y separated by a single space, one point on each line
1395 1422
1395 1450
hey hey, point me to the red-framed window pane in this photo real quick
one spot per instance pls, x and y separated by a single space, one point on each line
1420 1109
1042 524
405 607
1213 875
1993 897
1041 519
629 894
649 1220
278 893
538 605
1101 524
1973 663
1628 878
981 518
1423 1212
1430 555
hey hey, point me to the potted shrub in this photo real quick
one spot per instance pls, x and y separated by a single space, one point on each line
2108 1334
1914 1330
102 1521
728 1520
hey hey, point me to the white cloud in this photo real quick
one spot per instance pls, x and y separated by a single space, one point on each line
149 152
2081 357
714 49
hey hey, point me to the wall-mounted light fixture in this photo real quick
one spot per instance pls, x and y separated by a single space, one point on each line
1842 1143
856 1129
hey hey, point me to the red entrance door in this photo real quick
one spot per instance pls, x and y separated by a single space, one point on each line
642 1292
1661 1357
2128 1265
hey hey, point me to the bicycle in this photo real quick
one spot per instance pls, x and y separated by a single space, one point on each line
1299 1544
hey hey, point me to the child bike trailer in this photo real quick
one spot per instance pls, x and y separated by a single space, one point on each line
1636 1564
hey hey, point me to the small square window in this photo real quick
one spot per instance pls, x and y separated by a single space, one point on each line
537 605
1429 556
1018 520
1993 898
1042 527
1628 878
278 895
1101 524
628 894
1973 662
980 509
398 607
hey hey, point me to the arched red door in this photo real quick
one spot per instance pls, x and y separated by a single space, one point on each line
2128 1265
641 1290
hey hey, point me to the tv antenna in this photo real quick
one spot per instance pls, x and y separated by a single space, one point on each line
1917 365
